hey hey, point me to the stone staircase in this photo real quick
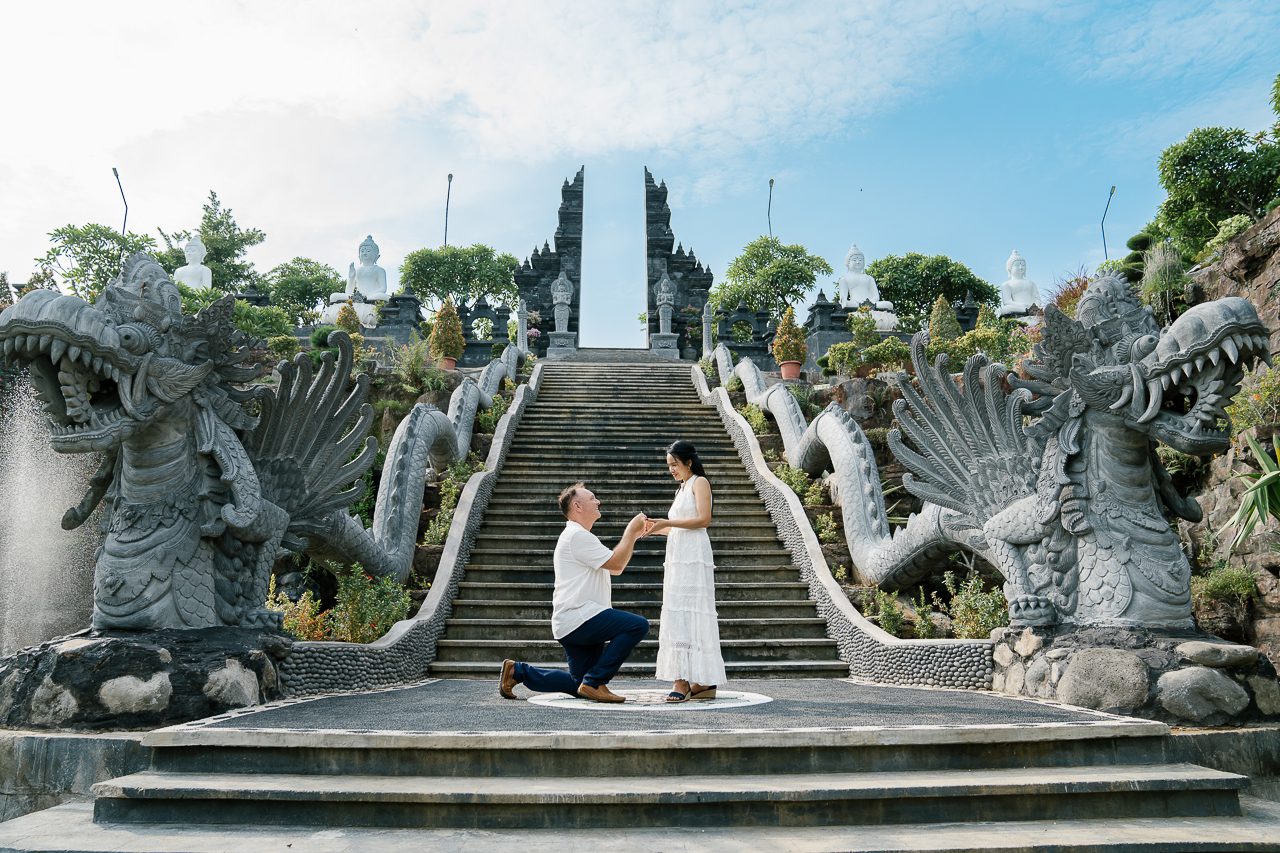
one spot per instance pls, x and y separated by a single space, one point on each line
609 425
1063 778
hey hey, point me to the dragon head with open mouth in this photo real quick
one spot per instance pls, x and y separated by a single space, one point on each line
1173 384
107 371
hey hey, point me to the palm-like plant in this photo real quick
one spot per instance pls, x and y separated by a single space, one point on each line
1262 499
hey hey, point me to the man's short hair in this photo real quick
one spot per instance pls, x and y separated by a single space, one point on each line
567 496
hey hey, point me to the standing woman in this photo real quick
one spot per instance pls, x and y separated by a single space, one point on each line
689 632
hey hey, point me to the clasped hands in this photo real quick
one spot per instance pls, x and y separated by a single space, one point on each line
647 525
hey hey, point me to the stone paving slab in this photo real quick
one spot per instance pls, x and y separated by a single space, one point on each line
71 828
450 705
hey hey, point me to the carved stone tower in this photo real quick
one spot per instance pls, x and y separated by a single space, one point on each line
691 279
543 266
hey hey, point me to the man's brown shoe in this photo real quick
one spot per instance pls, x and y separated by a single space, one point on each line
599 694
507 681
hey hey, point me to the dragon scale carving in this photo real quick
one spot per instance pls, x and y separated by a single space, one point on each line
206 479
1053 479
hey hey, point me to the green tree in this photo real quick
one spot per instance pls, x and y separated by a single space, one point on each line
257 322
461 274
225 245
943 325
1212 175
297 286
88 257
768 276
913 282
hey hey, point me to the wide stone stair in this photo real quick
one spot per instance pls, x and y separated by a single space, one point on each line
1072 788
609 426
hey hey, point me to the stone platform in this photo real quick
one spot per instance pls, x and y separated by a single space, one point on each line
823 765
453 705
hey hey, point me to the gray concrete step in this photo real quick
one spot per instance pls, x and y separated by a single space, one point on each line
650 573
70 829
484 671
507 609
625 590
541 802
539 553
811 627
550 651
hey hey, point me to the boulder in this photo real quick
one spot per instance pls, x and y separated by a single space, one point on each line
232 685
129 694
1198 692
1266 692
1028 643
1219 655
1105 679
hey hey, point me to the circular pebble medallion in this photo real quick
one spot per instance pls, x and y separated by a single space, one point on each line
654 699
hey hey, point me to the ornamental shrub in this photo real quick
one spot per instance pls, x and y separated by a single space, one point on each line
348 320
708 367
788 341
1228 230
795 478
815 495
825 528
302 618
943 325
283 347
974 610
366 608
1258 401
446 333
755 417
734 384
889 353
487 420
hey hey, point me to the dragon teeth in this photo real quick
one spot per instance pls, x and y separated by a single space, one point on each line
1233 352
1215 356
56 349
45 342
97 364
73 352
1199 362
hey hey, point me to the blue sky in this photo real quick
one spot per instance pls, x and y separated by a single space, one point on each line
960 128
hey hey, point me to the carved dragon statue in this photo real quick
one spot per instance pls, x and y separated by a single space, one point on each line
1054 479
206 479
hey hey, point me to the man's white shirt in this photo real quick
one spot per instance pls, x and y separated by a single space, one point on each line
582 587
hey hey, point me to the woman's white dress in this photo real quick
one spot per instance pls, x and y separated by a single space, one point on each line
689 632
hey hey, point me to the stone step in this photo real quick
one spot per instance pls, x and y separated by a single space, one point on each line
831 668
488 573
623 590
723 533
620 456
70 828
550 651
538 553
510 610
550 481
541 802
811 628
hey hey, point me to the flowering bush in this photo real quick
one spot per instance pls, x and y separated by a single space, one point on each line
366 608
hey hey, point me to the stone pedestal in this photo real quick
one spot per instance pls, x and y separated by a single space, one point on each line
562 344
665 345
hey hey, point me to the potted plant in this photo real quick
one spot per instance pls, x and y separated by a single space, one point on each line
446 337
789 348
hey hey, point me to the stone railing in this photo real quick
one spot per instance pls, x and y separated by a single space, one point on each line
403 653
871 652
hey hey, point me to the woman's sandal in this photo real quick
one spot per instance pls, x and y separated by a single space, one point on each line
704 693
676 696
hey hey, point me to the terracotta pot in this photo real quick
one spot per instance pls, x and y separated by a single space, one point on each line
447 363
790 369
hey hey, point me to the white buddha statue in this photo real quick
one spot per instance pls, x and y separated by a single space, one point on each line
195 274
366 284
859 289
1019 294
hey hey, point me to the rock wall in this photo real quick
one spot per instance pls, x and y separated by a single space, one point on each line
1249 266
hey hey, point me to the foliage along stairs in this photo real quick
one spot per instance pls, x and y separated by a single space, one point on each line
609 426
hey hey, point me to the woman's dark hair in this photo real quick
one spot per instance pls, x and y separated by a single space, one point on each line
688 454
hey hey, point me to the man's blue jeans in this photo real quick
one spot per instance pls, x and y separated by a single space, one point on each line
596 650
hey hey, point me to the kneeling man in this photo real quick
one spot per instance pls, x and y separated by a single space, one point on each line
596 638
